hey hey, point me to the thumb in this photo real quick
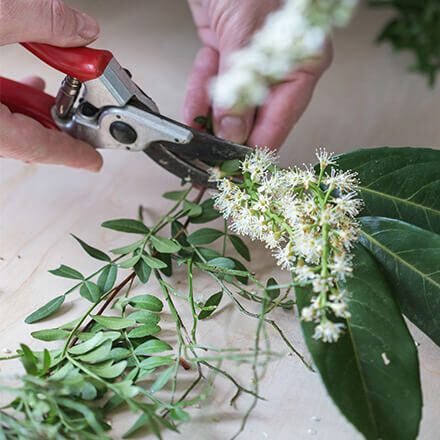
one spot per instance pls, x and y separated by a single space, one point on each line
45 21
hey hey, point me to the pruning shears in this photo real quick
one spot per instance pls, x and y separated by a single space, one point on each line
99 103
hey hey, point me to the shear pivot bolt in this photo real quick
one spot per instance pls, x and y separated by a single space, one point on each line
123 133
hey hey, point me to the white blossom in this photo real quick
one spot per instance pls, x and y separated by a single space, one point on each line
290 36
310 227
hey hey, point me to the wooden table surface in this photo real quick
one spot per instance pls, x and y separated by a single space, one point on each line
366 99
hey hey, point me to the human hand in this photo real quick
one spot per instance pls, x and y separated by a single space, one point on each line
52 22
226 26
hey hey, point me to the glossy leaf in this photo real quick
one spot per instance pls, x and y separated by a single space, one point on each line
410 257
53 334
154 263
372 371
48 309
143 271
144 330
212 302
67 272
107 278
204 236
400 183
240 247
114 322
93 252
152 346
231 166
147 302
165 245
90 291
126 225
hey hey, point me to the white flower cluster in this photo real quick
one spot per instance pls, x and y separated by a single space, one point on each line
290 36
307 219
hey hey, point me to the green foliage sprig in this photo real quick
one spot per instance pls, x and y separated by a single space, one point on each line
70 392
415 28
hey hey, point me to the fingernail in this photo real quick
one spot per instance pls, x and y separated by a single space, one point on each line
86 26
233 128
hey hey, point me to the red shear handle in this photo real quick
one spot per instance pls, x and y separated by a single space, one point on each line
81 62
20 98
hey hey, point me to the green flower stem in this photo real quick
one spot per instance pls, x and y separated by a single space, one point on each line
191 301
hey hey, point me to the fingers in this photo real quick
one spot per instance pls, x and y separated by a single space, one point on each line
231 124
45 21
282 109
197 99
23 138
34 81
287 102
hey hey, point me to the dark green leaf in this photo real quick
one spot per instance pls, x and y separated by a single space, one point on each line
90 291
48 309
192 209
126 225
213 301
175 195
147 302
144 330
372 371
143 271
272 293
165 245
209 213
400 183
178 229
239 266
114 322
130 262
156 361
204 236
93 252
67 272
209 254
29 360
107 279
166 259
128 248
240 247
222 263
154 263
410 257
53 334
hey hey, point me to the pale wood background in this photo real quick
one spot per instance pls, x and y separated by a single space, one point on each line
366 99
